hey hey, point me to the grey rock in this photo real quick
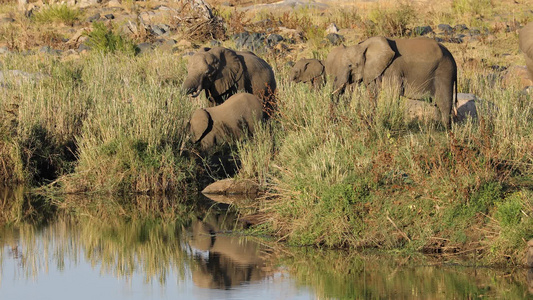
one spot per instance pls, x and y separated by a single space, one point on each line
4 50
168 45
49 50
145 47
250 41
110 16
335 39
83 47
422 30
460 28
93 18
215 43
157 30
87 3
274 39
231 186
445 28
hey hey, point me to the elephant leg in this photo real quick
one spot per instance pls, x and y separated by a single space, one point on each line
444 98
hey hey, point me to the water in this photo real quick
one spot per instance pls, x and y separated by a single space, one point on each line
199 256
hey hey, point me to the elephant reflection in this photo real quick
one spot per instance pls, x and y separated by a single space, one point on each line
230 260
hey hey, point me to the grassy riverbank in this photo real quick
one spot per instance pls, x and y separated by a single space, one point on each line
335 173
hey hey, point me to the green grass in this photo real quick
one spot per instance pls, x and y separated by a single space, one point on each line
106 40
58 13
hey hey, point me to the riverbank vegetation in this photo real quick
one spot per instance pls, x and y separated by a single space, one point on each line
336 173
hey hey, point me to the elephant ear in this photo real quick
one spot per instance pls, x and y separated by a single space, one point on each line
200 124
230 69
377 56
312 69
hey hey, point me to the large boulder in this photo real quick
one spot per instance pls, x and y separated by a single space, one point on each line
421 110
230 186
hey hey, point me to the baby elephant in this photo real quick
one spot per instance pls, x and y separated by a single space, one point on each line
310 71
235 117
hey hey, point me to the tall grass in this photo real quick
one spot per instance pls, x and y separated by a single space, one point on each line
58 13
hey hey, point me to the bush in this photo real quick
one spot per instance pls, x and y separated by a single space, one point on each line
106 40
60 13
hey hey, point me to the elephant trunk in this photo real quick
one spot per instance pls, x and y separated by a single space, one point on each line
191 86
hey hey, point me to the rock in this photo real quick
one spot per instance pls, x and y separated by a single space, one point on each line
274 39
445 28
229 199
529 254
251 41
88 3
460 28
215 43
110 16
93 18
144 48
231 186
466 107
332 28
422 30
517 75
167 45
114 3
157 30
49 50
335 39
422 110
184 44
83 47
4 50
18 77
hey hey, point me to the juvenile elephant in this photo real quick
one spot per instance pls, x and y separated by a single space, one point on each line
310 71
233 118
419 67
221 72
525 38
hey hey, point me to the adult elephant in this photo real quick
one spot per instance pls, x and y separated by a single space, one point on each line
221 72
525 38
232 119
419 67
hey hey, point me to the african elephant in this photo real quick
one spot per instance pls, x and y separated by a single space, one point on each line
525 38
221 72
227 260
419 67
310 71
233 118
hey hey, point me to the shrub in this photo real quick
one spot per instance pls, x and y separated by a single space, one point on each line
60 13
106 40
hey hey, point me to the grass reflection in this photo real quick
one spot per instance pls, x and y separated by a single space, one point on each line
343 275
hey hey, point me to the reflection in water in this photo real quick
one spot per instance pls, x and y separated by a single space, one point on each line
224 261
206 258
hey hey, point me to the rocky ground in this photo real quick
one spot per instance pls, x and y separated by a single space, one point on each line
263 26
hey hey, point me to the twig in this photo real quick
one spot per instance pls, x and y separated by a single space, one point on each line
394 224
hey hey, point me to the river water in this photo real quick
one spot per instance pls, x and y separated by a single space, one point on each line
206 256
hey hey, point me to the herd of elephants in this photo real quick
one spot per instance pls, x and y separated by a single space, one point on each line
240 86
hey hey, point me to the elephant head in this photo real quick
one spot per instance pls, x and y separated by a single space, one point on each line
200 125
305 70
363 62
215 71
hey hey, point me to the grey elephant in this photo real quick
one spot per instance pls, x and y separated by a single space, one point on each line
234 118
525 38
418 67
222 72
308 70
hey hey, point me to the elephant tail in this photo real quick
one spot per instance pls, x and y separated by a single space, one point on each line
455 100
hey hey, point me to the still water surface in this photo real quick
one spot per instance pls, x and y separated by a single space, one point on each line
205 258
